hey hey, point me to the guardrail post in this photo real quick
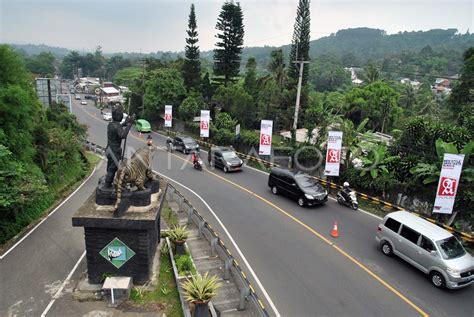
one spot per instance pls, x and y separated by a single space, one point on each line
201 227
227 265
190 213
214 246
244 292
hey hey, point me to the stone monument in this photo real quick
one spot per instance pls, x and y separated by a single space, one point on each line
121 219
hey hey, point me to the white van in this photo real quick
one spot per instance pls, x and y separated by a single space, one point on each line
428 247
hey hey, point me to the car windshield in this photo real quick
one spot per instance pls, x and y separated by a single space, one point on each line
229 155
450 248
305 181
188 140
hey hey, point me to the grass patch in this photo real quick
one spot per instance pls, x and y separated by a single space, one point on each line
168 215
93 158
185 265
165 296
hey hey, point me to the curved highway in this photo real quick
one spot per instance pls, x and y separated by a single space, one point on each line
303 269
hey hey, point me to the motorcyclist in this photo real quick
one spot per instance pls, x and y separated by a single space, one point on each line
345 191
194 157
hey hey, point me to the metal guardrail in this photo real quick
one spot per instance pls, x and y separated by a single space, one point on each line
218 248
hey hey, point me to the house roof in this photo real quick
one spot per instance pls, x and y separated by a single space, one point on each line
109 90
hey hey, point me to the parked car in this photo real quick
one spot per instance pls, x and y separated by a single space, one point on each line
185 144
107 115
297 185
78 97
224 158
83 102
143 126
428 247
88 96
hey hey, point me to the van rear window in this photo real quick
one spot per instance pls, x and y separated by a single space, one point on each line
392 224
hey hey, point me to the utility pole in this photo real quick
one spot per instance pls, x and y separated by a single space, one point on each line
298 94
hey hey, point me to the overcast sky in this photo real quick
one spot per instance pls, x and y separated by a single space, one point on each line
160 25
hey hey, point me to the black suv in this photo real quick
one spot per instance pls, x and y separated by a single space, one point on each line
185 144
224 158
296 185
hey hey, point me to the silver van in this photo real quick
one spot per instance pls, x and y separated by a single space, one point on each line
428 247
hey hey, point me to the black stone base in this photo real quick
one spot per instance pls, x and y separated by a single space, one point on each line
140 231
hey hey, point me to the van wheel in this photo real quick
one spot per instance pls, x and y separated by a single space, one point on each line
275 190
437 279
226 169
301 202
387 249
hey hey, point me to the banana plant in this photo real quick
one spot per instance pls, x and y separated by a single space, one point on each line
429 172
376 161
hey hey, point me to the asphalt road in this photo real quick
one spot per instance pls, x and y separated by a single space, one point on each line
305 271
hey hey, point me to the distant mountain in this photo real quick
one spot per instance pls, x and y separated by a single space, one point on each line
352 46
35 49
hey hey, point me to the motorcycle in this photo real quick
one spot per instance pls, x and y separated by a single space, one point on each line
197 164
353 200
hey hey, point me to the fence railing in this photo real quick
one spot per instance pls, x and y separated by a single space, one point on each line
218 248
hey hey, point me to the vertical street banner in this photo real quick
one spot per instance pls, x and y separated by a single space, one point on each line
168 116
333 156
266 129
448 183
205 115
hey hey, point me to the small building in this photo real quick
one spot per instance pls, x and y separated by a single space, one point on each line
414 83
110 94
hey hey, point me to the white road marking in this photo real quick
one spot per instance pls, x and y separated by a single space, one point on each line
49 215
56 296
270 302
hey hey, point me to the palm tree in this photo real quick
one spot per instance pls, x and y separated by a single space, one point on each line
277 67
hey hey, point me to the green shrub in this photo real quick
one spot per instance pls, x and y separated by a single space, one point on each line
184 264
223 137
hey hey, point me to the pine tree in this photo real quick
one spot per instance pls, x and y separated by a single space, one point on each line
231 38
300 43
192 64
250 80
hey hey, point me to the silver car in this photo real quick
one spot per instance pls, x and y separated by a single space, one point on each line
426 246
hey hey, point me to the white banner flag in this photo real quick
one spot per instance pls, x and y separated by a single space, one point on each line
266 130
168 116
205 114
333 156
448 183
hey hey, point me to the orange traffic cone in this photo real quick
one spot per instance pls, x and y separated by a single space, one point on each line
335 232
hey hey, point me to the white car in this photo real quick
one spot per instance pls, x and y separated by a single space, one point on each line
83 102
107 116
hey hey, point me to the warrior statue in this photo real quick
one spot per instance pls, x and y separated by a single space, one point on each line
115 133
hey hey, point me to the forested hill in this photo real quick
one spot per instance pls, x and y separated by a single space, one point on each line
357 46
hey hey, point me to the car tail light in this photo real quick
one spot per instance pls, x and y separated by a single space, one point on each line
379 228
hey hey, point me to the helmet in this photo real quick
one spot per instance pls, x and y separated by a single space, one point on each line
346 184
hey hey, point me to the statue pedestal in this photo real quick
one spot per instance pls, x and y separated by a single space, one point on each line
123 246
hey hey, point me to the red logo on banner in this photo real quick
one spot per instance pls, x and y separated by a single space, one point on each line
204 125
265 139
447 187
333 156
168 116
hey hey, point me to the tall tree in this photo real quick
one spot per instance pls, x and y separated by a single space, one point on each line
250 80
300 42
277 67
227 55
192 65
